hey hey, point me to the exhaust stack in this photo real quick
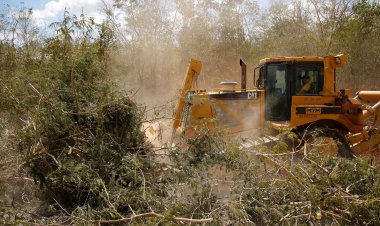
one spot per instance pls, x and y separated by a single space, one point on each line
243 75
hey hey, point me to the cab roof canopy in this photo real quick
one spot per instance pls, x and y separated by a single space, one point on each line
285 59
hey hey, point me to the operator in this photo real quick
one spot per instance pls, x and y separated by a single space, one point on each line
306 84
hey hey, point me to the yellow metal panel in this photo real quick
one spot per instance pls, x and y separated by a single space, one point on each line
235 115
283 59
192 73
368 96
312 100
315 102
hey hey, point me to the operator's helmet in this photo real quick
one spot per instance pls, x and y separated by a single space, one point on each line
305 78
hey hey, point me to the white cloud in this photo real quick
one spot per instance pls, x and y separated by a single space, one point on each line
53 10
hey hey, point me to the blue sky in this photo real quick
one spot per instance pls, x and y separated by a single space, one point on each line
47 11
37 4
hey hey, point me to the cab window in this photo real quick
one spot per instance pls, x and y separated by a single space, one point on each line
277 106
309 80
277 78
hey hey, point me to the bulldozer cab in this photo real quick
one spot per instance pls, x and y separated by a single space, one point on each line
284 79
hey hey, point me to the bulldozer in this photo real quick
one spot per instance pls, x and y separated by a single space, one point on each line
286 92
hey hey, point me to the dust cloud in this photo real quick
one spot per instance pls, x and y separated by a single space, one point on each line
157 40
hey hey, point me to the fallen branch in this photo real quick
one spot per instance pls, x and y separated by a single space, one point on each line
288 218
151 214
290 174
335 215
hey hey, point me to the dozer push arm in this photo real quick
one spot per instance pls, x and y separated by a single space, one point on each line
367 141
192 73
367 97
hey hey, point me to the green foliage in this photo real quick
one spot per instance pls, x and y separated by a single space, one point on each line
204 147
338 188
83 143
359 39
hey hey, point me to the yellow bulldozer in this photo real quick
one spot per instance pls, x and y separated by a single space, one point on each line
286 92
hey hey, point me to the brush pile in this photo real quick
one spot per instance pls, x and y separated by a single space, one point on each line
76 160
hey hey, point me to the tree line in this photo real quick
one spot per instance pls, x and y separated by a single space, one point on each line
153 40
160 35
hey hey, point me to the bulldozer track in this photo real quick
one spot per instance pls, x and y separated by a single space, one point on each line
314 132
